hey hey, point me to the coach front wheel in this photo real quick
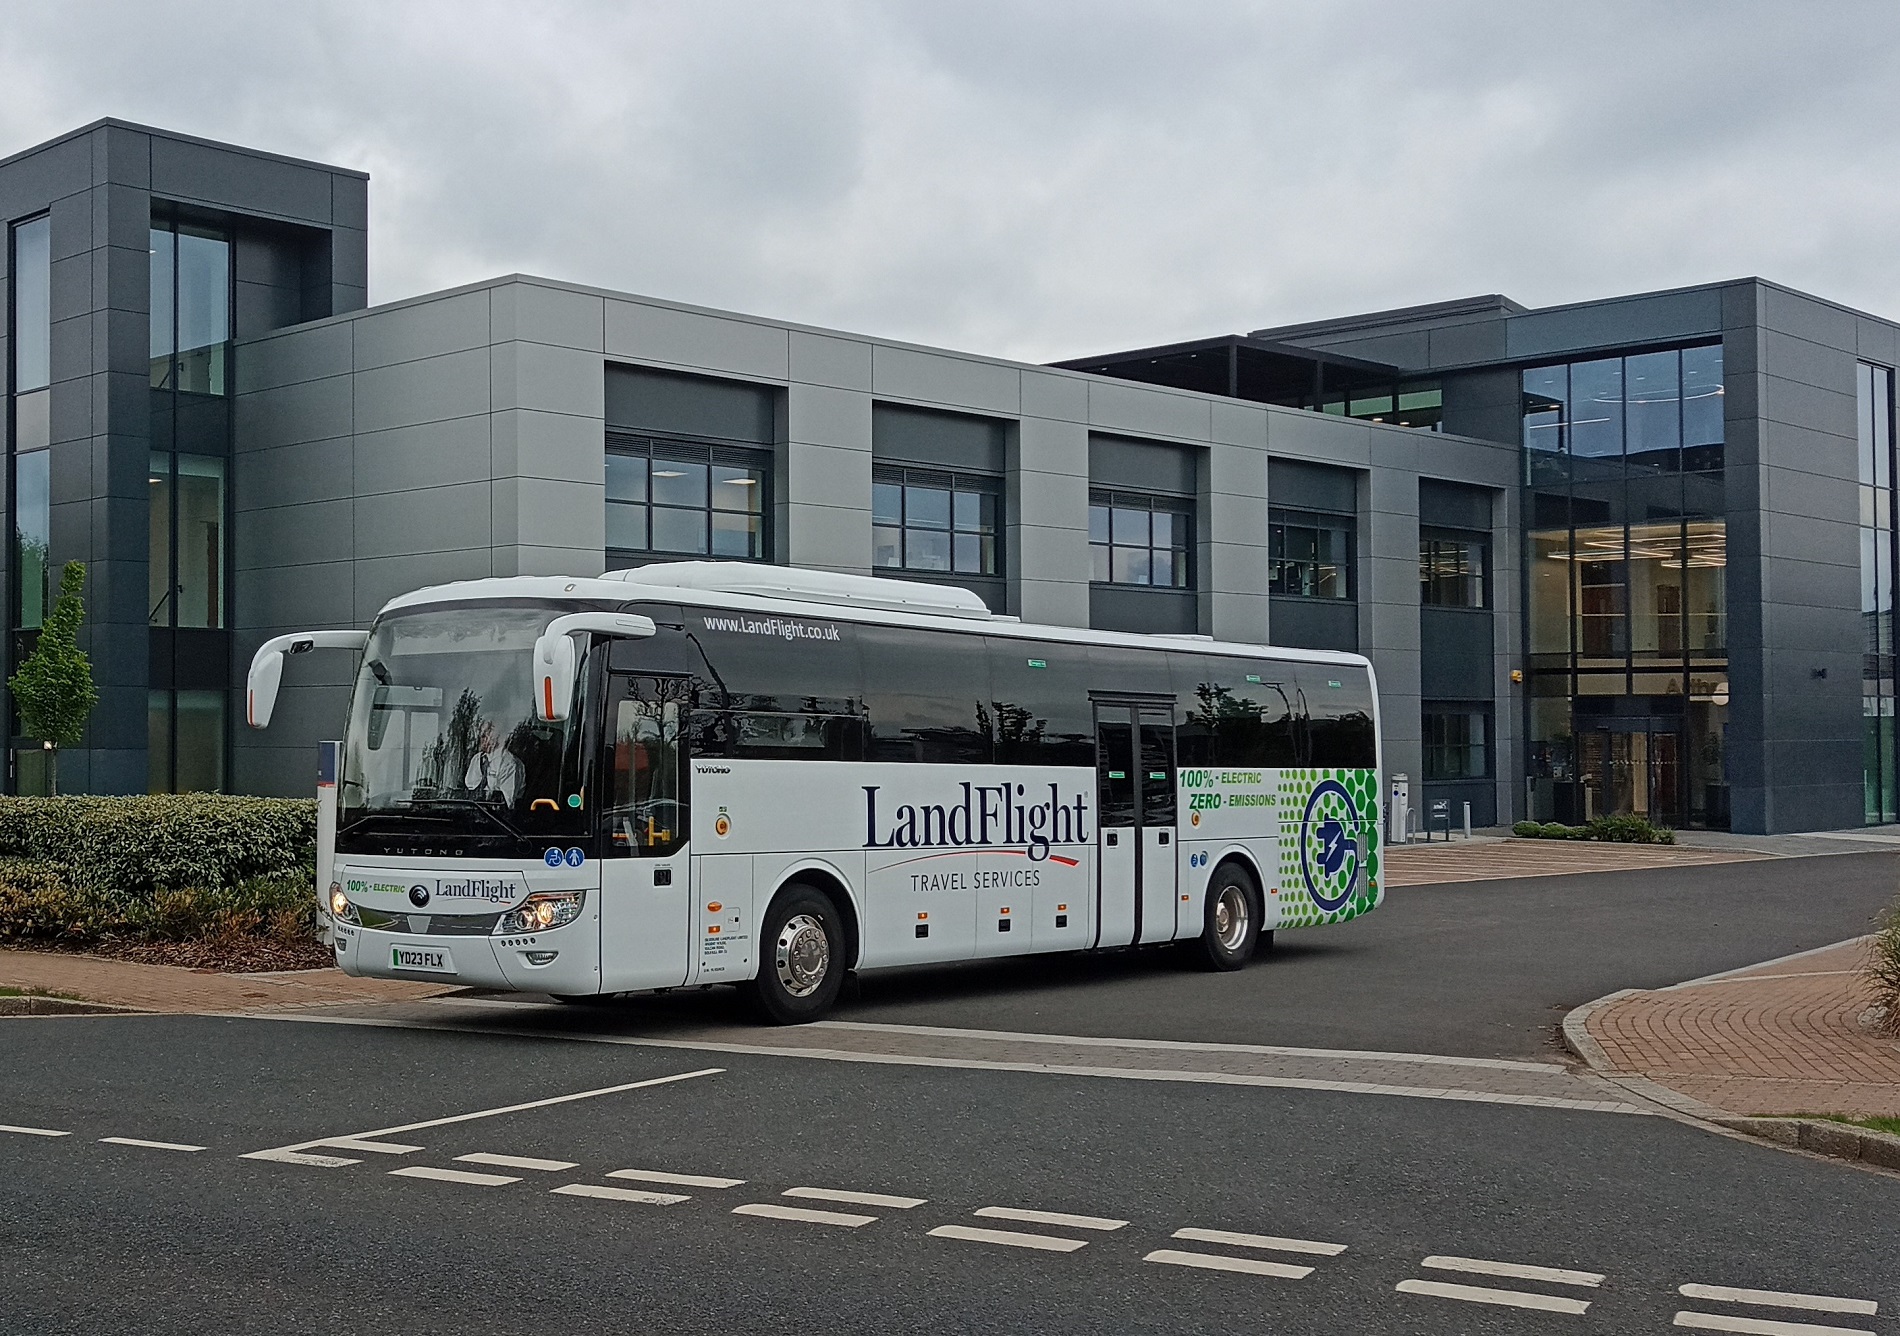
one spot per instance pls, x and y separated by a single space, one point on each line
1231 926
802 964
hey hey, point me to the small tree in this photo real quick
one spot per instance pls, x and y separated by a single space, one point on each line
53 688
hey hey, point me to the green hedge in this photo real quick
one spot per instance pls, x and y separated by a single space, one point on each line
127 850
1611 829
1883 968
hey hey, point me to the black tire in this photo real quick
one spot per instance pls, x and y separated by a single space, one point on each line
581 999
801 957
1230 929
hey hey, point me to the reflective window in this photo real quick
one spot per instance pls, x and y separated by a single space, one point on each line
1141 540
1457 742
190 308
32 532
1596 408
683 499
185 578
1880 767
935 522
1453 569
1310 555
32 304
1660 411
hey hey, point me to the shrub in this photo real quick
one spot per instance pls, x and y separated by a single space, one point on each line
128 849
1883 967
1615 829
37 904
1527 830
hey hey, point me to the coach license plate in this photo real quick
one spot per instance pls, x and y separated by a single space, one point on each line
429 959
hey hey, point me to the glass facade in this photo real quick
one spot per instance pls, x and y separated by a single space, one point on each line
1874 402
1626 564
32 345
677 498
191 308
1454 569
935 522
1141 540
1309 555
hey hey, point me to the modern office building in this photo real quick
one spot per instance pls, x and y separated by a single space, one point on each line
1629 555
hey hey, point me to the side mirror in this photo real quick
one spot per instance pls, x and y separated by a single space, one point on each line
557 658
267 667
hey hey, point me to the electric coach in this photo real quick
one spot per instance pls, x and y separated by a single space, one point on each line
713 773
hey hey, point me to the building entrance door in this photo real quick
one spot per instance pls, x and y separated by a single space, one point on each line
1632 770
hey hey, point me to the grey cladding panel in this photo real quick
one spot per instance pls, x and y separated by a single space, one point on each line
1145 611
1143 466
1312 487
938 440
1663 318
1313 623
1453 505
199 172
668 403
1455 647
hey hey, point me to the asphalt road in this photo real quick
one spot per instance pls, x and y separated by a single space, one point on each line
99 1237
1477 969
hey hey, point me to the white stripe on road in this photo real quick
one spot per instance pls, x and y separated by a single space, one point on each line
33 1131
1267 1241
677 1180
1516 1271
453 1176
771 1212
284 1154
1820 1303
855 1198
148 1145
300 1157
1050 1218
1252 1266
619 1194
514 1161
368 1147
1477 1294
1755 1326
1008 1238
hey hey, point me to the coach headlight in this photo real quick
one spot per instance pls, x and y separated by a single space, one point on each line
340 907
542 911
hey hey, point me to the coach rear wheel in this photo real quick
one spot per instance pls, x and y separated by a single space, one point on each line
1231 926
803 965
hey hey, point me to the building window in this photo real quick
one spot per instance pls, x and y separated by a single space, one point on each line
934 522
1457 742
32 341
678 498
191 308
1879 766
1141 540
1419 404
1310 555
1454 570
185 560
1657 412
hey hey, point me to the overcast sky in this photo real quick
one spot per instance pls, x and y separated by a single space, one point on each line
1040 178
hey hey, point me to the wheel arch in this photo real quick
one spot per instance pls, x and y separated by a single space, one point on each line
834 884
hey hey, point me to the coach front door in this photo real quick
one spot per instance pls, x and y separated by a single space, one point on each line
645 901
1134 772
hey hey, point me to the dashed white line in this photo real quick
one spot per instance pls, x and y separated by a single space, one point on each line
368 1147
1309 1246
618 1194
1050 1218
453 1176
677 1180
1252 1266
515 1162
1009 1238
1755 1326
772 1212
1514 1270
285 1156
148 1145
1477 1294
855 1198
1820 1303
33 1131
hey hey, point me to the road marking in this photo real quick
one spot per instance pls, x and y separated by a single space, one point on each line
1260 1241
1050 1218
1252 1266
452 1176
149 1145
773 1212
33 1131
368 1147
1516 1271
678 1180
292 1154
618 1194
514 1161
855 1198
1755 1326
1008 1238
1476 1294
1820 1303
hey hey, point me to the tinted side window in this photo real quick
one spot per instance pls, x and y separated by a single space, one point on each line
1039 711
778 664
927 694
1339 708
1238 712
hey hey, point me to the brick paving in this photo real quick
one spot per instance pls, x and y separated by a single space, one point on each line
1782 1038
1492 859
124 983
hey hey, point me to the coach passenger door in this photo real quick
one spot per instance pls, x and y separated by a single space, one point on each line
645 901
1118 829
1154 780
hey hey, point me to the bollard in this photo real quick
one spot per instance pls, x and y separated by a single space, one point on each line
1467 820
